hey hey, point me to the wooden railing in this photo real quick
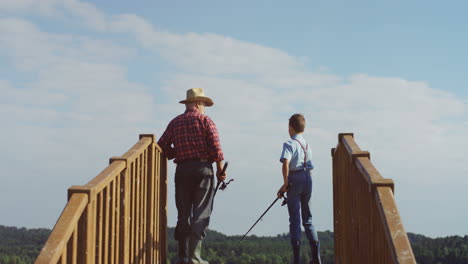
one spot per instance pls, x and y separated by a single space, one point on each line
367 225
119 216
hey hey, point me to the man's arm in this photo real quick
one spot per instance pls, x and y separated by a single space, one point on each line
165 143
214 148
212 139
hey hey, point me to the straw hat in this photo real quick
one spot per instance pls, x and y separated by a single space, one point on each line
197 95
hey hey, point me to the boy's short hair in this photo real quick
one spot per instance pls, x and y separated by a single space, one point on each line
297 122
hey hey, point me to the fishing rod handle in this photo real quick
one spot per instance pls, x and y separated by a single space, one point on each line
224 168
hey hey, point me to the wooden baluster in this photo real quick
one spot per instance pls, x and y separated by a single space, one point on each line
112 230
132 213
117 217
163 211
125 201
150 204
99 229
106 222
74 246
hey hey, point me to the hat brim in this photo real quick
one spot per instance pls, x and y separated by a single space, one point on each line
206 100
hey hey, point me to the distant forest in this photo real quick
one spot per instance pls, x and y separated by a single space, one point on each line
21 245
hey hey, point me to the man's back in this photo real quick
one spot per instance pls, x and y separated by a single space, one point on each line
193 136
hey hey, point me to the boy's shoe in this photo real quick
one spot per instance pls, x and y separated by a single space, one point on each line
296 246
315 250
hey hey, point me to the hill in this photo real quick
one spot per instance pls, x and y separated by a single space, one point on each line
21 246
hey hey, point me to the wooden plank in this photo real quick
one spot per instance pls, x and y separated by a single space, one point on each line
163 212
150 205
368 228
137 149
349 144
102 180
145 205
400 246
143 198
69 248
106 222
63 259
157 180
87 234
124 235
138 210
63 229
99 228
74 248
112 219
117 219
367 169
102 231
132 213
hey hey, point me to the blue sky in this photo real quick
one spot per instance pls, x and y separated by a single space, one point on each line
89 76
419 40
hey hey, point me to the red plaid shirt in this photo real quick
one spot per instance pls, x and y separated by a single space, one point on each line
193 136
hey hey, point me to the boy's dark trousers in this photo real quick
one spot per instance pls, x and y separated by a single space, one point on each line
194 189
299 194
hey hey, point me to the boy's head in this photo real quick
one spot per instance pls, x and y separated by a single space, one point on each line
296 124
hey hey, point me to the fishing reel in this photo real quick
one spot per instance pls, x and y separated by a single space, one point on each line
285 198
225 184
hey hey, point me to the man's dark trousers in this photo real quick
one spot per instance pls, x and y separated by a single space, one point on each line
194 184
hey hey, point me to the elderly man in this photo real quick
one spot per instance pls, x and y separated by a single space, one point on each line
192 139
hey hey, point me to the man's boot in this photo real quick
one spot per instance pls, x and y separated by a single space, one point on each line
195 246
315 250
296 246
183 252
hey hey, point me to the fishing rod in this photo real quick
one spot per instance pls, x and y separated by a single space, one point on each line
285 201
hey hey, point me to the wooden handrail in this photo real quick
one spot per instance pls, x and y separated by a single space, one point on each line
367 224
55 249
122 218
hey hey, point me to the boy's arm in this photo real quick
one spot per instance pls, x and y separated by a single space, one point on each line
285 171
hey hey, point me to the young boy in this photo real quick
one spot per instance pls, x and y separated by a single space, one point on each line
297 176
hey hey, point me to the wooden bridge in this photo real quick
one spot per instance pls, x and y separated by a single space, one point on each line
120 216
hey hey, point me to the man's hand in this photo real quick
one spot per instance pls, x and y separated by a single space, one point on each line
219 176
219 169
282 190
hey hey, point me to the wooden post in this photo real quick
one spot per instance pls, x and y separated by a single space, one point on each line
124 231
150 206
87 226
163 211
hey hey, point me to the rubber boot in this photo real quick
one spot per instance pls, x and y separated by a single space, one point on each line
195 246
183 252
296 246
315 250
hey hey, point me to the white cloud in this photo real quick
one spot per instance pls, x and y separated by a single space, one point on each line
81 99
74 110
43 7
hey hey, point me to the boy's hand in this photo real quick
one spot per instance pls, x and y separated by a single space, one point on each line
282 190
219 176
